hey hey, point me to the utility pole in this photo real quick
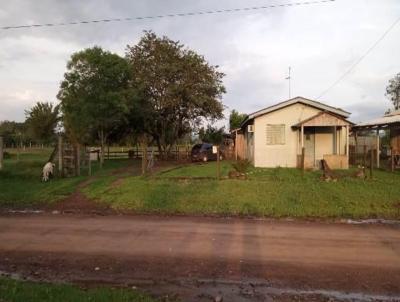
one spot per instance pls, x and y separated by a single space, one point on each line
289 78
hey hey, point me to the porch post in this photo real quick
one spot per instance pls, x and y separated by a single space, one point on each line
335 140
347 141
302 136
377 148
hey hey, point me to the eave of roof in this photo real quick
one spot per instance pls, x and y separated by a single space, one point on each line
391 118
319 114
298 99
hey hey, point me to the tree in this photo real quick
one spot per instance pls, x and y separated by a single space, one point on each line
92 95
14 133
393 91
236 119
42 120
212 135
180 88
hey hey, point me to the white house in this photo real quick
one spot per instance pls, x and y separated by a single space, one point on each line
275 136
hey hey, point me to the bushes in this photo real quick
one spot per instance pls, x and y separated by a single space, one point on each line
242 165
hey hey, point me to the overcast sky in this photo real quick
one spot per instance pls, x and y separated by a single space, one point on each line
253 48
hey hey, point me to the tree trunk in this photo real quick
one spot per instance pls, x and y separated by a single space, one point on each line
53 154
160 149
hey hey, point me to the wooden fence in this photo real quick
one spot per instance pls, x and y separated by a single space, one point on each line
176 153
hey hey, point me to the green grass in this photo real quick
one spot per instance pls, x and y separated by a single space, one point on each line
21 185
277 192
23 291
198 170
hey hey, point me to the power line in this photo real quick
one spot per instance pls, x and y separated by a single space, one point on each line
209 12
360 59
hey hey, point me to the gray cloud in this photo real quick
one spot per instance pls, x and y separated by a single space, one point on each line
254 49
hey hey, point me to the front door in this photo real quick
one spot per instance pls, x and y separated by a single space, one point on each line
309 147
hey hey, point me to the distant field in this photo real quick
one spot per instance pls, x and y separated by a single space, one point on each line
24 291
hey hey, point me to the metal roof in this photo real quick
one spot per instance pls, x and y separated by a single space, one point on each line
299 99
387 119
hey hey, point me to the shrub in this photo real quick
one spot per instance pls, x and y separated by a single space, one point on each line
242 165
7 155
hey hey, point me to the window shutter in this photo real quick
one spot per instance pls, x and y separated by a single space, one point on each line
275 134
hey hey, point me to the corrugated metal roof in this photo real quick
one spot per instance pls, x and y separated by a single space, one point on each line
299 99
390 118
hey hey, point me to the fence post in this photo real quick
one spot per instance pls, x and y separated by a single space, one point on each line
391 160
371 164
78 160
144 156
218 165
90 164
377 148
1 152
365 156
60 155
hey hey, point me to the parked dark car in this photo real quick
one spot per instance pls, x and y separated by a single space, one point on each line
204 152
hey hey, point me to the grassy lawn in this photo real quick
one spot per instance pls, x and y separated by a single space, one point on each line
21 185
198 170
21 291
277 192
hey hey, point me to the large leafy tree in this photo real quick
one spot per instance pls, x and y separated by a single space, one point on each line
236 119
92 95
213 135
393 91
42 120
179 87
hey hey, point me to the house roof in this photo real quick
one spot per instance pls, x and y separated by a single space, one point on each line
387 119
298 99
332 120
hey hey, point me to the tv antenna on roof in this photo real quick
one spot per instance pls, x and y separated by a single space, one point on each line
289 78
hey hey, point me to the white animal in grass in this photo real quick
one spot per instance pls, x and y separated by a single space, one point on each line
48 170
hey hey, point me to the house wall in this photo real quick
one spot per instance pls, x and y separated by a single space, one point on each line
323 142
284 155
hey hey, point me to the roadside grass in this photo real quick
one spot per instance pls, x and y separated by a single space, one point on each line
21 185
280 192
25 291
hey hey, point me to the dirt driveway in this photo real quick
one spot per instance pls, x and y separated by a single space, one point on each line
198 258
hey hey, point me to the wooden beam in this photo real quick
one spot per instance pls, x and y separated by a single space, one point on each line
302 136
347 141
236 145
335 139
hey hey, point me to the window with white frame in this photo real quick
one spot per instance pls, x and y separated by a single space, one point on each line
275 134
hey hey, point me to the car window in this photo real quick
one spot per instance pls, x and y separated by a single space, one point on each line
196 147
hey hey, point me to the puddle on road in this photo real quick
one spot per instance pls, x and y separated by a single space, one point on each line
202 290
208 290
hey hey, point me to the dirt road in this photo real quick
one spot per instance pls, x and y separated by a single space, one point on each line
164 254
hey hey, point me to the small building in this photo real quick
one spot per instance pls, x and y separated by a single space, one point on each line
275 136
391 122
